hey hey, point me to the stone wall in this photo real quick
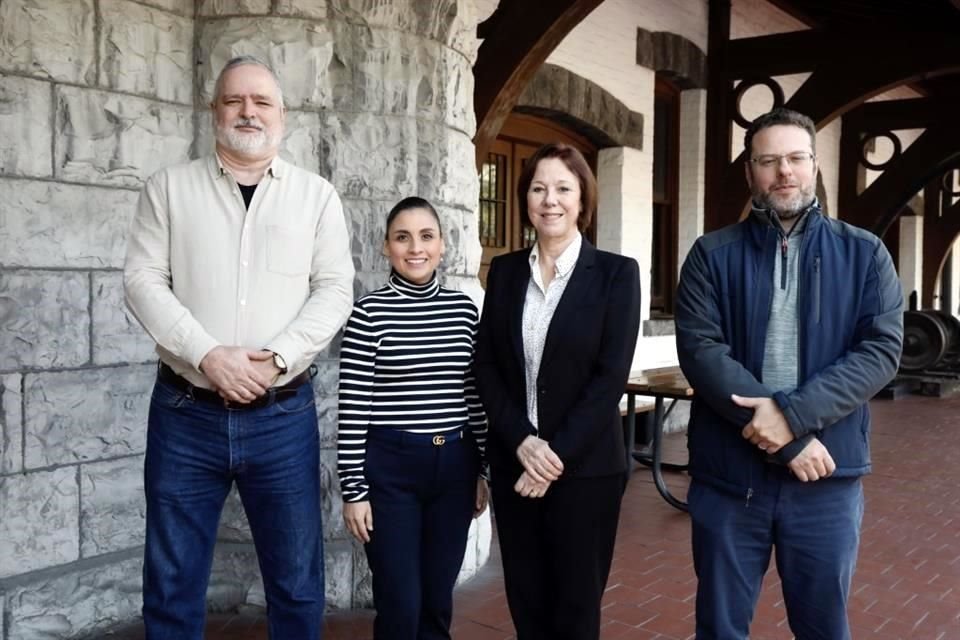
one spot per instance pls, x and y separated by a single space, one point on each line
95 95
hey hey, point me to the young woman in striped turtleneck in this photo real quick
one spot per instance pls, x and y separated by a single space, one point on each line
411 430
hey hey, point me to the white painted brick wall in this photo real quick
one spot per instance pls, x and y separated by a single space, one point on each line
624 217
911 256
693 139
750 18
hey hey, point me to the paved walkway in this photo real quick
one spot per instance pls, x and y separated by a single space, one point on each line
908 577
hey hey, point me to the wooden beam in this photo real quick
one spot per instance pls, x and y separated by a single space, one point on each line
778 54
719 132
852 175
518 38
803 51
880 203
909 113
835 89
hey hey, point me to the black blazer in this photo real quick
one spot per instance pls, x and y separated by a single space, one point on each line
584 369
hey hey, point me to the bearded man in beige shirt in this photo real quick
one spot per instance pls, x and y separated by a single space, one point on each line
238 266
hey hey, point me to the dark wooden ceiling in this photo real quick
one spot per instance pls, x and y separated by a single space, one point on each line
886 16
927 15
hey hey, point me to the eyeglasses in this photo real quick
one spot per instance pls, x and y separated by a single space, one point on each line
796 160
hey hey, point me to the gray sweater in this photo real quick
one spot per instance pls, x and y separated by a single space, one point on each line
780 349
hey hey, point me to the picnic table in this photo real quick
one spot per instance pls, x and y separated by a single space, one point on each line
666 383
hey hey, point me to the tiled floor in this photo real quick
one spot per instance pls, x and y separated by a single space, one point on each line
908 577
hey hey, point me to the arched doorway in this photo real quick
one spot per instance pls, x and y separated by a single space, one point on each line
501 229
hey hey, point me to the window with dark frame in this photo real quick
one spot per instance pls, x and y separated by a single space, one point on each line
666 165
493 201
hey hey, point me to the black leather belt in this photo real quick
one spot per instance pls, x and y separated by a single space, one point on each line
273 394
410 438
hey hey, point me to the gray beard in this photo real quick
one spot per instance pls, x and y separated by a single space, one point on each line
791 208
232 139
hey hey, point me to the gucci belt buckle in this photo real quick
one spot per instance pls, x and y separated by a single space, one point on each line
439 440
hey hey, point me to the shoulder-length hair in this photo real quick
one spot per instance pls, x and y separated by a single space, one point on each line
577 164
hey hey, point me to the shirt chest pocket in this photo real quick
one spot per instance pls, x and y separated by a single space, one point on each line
289 251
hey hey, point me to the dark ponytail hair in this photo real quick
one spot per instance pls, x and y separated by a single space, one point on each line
412 202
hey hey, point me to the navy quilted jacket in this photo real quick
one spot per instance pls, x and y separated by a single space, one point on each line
850 314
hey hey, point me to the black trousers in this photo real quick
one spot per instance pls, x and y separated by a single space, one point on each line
556 553
422 497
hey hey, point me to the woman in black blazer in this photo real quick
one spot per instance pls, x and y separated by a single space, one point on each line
554 348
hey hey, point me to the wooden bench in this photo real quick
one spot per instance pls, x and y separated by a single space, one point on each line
644 406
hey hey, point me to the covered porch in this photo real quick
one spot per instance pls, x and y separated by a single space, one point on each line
907 583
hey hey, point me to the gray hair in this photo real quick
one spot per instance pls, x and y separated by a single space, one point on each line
239 61
776 117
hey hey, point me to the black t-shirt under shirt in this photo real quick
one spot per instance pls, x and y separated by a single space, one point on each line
246 190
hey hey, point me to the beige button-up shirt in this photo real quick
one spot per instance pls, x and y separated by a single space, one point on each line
538 308
202 270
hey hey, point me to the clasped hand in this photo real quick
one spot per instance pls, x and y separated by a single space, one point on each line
541 467
239 374
770 432
768 428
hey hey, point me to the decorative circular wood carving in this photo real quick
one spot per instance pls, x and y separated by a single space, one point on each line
748 83
880 166
947 182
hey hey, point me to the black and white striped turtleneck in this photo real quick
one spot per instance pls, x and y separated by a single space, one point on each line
405 363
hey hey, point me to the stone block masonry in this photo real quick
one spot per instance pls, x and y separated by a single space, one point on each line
97 95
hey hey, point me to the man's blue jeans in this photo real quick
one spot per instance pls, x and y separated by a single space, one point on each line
813 531
195 451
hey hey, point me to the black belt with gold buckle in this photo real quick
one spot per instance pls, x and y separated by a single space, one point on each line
417 439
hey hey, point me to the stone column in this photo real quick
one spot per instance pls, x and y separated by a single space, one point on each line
380 100
97 95
693 135
911 258
624 216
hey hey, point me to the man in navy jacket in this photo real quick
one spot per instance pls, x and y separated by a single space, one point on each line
787 324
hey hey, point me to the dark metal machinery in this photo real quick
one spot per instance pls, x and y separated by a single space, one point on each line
931 340
930 363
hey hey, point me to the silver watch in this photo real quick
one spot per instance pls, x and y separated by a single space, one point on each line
279 362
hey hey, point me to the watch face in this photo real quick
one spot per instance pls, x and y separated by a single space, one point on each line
279 363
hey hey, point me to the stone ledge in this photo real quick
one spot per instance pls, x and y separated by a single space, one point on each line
565 97
673 55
